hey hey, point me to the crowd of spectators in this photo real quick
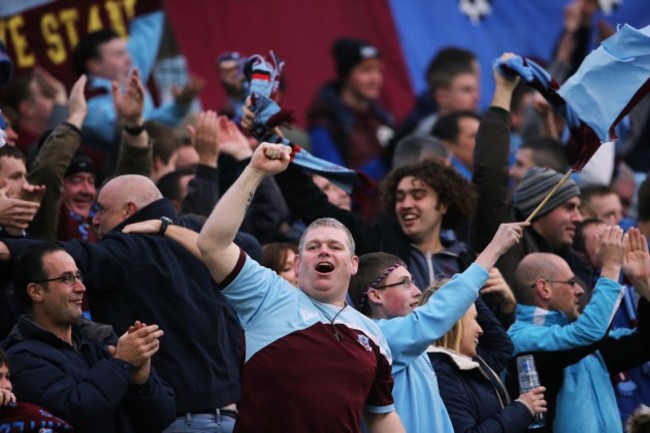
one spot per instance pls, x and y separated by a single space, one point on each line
165 271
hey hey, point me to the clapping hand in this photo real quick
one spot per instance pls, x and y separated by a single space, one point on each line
130 103
186 94
136 346
636 263
232 141
16 212
204 137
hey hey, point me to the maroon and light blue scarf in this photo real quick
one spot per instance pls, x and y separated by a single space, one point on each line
263 76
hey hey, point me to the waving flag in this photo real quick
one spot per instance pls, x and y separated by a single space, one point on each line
608 84
611 81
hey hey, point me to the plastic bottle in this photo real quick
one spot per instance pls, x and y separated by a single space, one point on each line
529 379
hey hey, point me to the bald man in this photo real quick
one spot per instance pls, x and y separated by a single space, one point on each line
122 197
575 353
153 279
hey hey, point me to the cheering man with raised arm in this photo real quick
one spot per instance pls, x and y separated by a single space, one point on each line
330 364
323 364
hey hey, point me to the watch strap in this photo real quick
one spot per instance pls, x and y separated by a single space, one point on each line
164 223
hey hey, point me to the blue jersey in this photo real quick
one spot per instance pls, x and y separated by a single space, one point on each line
416 394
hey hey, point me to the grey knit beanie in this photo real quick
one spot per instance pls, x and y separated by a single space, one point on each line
536 183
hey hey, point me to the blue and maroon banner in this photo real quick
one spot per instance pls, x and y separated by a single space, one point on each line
44 32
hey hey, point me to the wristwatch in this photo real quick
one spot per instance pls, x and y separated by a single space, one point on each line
164 223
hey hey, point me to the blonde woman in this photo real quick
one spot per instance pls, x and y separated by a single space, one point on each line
468 380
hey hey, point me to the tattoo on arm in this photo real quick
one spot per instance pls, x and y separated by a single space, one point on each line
250 199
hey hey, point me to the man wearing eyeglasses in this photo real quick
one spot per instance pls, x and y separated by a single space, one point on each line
150 278
575 352
77 369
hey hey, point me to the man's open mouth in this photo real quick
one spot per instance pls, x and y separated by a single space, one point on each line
324 267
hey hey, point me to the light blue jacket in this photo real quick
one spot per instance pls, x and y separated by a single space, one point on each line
586 401
100 126
537 329
416 395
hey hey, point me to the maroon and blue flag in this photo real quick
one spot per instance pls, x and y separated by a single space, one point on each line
609 83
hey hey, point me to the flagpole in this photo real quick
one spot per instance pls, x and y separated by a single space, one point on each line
549 195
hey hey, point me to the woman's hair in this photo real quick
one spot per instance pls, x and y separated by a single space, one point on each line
274 255
451 339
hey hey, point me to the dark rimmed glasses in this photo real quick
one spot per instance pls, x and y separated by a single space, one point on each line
405 282
68 278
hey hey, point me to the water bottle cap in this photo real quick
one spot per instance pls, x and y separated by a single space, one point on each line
525 363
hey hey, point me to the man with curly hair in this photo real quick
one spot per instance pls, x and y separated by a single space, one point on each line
425 199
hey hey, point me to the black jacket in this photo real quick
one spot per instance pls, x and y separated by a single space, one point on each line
155 280
83 384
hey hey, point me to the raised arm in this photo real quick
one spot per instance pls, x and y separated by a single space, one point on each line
307 202
506 236
410 335
628 348
203 191
53 160
504 87
593 323
490 176
220 254
205 137
136 152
